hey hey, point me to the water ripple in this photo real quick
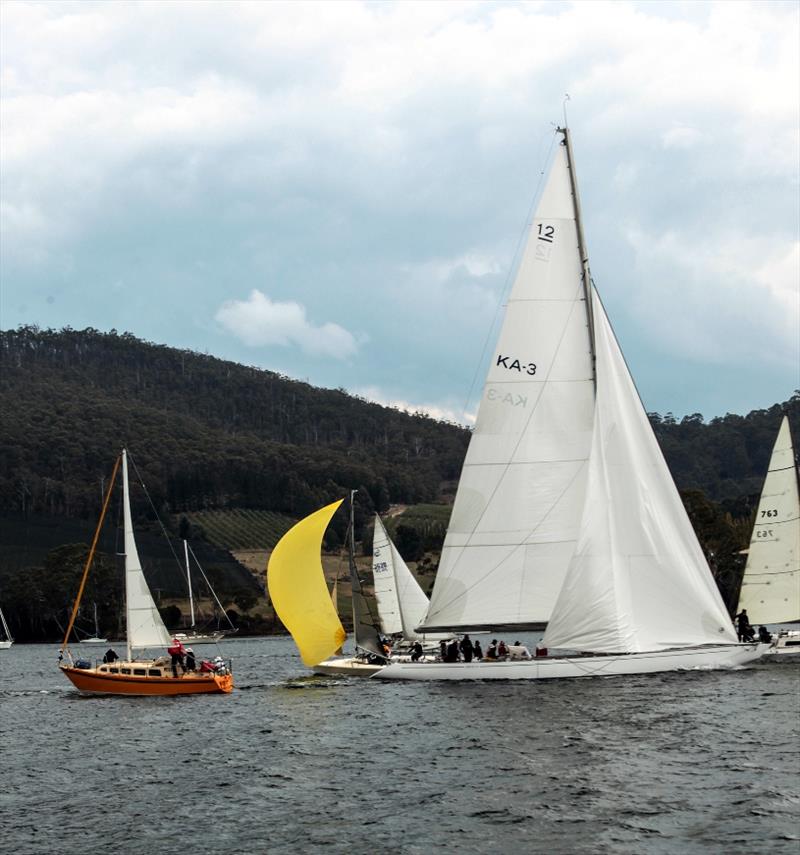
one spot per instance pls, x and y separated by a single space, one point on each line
291 762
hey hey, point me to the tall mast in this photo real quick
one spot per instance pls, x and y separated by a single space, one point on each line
189 580
126 507
365 626
585 272
351 555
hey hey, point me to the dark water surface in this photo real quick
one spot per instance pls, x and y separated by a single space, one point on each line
677 763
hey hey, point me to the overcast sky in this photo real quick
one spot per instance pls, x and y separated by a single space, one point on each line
336 191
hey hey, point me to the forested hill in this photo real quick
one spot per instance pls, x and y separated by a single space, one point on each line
207 433
727 457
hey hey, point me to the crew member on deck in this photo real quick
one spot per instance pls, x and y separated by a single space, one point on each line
466 648
743 628
519 651
177 652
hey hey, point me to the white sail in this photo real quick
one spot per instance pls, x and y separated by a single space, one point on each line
6 641
771 584
402 604
517 509
145 627
638 580
384 581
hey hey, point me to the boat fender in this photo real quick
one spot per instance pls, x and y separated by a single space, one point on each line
83 663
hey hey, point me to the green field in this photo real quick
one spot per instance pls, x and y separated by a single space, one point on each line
429 520
240 528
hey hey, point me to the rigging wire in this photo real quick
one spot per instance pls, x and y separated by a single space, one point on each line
172 548
213 592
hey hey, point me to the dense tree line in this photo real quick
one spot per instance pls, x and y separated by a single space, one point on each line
727 457
208 433
205 433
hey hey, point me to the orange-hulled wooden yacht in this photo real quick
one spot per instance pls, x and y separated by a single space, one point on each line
145 631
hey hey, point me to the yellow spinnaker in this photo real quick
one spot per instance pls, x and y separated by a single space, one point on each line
298 590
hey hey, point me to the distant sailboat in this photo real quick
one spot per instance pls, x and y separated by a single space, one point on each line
95 639
145 630
300 596
193 635
566 512
6 641
771 584
402 604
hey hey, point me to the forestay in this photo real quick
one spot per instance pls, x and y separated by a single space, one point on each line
771 585
145 627
516 513
638 580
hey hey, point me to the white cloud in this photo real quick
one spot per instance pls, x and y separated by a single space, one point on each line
259 322
446 411
734 299
681 137
381 157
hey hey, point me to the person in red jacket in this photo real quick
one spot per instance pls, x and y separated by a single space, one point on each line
177 652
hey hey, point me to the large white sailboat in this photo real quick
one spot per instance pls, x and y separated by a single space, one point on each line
770 590
566 512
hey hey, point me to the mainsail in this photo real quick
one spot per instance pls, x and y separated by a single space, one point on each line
517 509
144 624
771 584
298 591
638 580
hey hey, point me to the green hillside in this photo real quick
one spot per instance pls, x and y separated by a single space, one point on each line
232 454
206 434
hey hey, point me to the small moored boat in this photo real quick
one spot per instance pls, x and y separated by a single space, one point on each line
7 640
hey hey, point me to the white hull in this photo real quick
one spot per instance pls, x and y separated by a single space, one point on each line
4 645
787 644
347 667
199 638
561 667
93 641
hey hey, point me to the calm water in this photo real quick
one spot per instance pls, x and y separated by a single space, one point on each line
680 763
